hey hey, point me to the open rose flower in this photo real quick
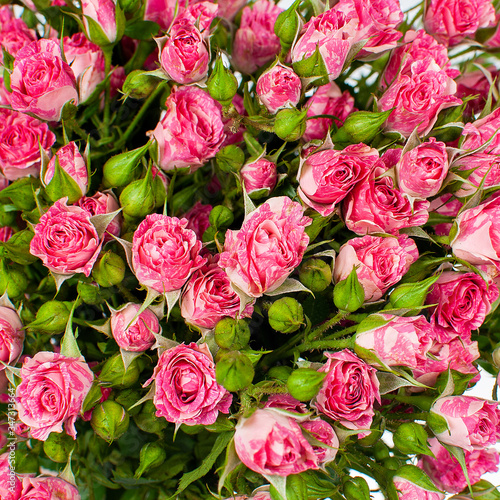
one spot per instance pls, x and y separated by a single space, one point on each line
103 203
51 393
186 391
11 336
197 217
48 488
200 14
10 485
322 432
259 174
14 35
278 88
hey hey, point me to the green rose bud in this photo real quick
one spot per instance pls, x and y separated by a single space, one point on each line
89 293
122 169
391 463
114 374
409 295
159 191
287 25
220 217
139 84
380 451
234 370
290 124
152 455
304 383
109 270
348 294
496 356
52 317
222 84
13 280
109 420
128 398
58 446
313 68
411 438
147 420
286 315
233 334
230 159
315 274
138 198
280 373
356 488
360 126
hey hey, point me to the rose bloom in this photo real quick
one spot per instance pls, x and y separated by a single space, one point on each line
65 240
326 177
473 83
162 11
259 174
48 488
42 83
184 55
327 100
410 491
422 170
478 133
323 432
21 137
200 14
349 390
484 171
51 393
14 35
197 217
255 43
208 297
134 332
8 490
165 253
271 443
269 246
103 12
191 131
278 87
285 402
11 336
186 391
450 21
5 233
473 423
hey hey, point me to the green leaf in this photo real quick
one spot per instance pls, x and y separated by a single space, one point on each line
459 454
20 192
69 346
437 423
17 248
416 476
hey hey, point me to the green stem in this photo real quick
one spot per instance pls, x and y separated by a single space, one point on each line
327 344
257 125
269 360
314 334
341 333
407 416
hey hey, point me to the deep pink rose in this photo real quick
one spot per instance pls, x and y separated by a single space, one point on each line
269 246
10 485
326 177
165 253
450 21
191 131
255 43
285 402
476 83
473 423
422 170
134 332
463 301
410 491
11 336
14 35
186 391
323 432
278 88
484 171
445 471
327 100
42 83
51 393
102 12
184 55
229 8
21 137
271 443
200 14
478 133
197 217
48 488
5 233
349 390
65 240
446 204
259 174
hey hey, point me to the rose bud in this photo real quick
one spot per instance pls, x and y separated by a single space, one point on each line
109 420
147 420
103 20
138 198
290 124
230 159
356 488
122 169
159 187
58 446
259 177
234 370
113 372
411 438
278 87
11 336
128 398
348 294
409 295
151 455
109 270
287 25
279 373
139 85
222 84
232 333
90 293
303 384
286 315
103 203
315 274
360 126
13 280
52 317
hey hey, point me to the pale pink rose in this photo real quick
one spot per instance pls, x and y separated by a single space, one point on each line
259 174
278 87
200 14
14 35
418 96
186 391
11 336
422 170
269 246
473 423
102 12
21 137
271 443
463 301
165 253
476 83
255 43
134 332
326 177
229 8
410 491
51 393
191 131
72 162
401 341
448 205
5 233
323 432
65 240
208 297
377 206
445 471
285 402
349 390
48 488
10 486
327 100
103 203
42 83
333 34
450 21
478 133
484 171
197 217
86 59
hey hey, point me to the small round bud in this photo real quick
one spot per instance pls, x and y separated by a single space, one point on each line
12 280
315 274
360 126
222 84
128 398
109 270
152 455
290 124
230 159
380 451
138 199
304 383
109 420
220 217
409 295
280 373
52 317
411 438
147 420
232 333
356 488
234 371
286 315
287 25
114 374
89 293
122 169
348 294
58 446
139 84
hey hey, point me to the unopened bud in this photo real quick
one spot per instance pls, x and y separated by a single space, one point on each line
222 84
147 420
58 446
230 159
52 317
315 274
233 334
409 295
89 293
348 294
137 199
360 126
139 84
109 270
152 455
287 25
234 371
411 438
121 169
12 280
304 383
356 488
280 373
109 420
286 315
290 124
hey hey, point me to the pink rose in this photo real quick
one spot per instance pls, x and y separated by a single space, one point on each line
229 8
271 443
197 217
255 43
208 297
484 171
134 332
286 402
259 174
473 423
446 204
165 253
21 137
48 488
42 83
5 233
14 35
278 87
191 131
269 246
323 432
65 240
200 14
326 177
10 485
103 13
327 100
478 133
186 391
162 11
476 83
445 471
450 21
51 393
11 336
410 491
349 390
422 170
